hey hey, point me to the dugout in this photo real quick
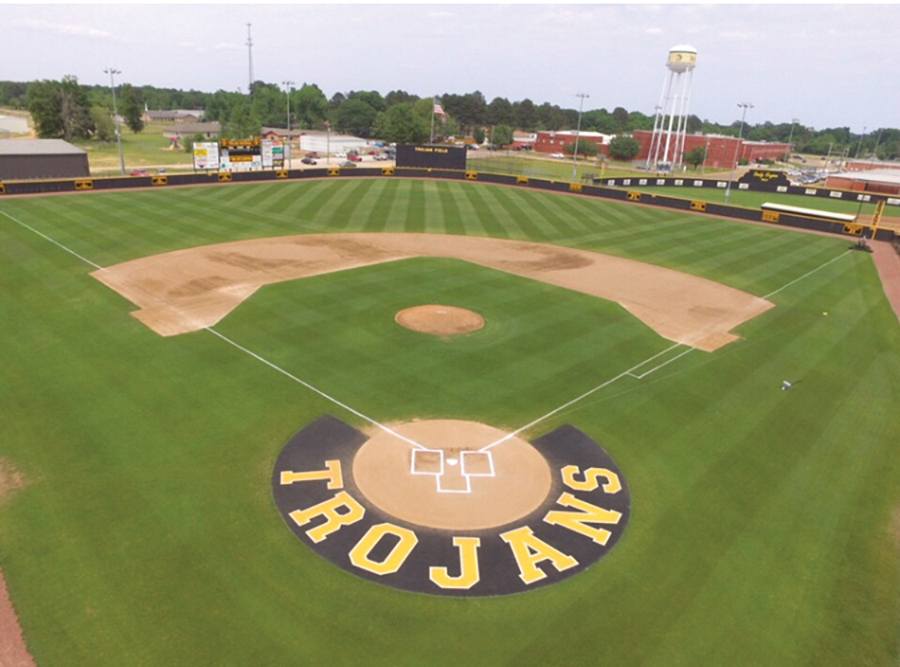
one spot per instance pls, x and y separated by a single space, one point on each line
25 159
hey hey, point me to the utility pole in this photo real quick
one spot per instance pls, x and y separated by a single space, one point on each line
287 87
112 87
794 121
737 145
578 133
250 56
861 137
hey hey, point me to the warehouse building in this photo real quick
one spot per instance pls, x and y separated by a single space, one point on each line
23 159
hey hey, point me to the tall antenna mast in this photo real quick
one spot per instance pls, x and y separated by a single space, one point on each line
250 55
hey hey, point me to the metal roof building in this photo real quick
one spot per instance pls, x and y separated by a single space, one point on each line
22 159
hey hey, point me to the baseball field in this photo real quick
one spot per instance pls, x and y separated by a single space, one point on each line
137 519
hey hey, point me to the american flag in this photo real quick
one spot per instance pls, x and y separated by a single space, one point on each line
438 109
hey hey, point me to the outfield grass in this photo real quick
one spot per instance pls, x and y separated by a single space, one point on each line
763 526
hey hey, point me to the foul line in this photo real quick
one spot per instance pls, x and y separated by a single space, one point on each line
783 287
630 371
56 243
314 389
576 400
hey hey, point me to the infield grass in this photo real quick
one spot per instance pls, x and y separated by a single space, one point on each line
764 523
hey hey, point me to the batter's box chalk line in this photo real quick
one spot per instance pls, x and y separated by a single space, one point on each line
452 475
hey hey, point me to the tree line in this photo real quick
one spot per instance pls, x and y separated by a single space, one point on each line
69 110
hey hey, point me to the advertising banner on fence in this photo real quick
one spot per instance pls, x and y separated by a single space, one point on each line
240 155
272 154
206 155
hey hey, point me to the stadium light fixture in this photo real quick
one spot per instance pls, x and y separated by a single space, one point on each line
737 146
578 132
287 89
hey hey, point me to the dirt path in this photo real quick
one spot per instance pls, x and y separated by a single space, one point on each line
12 645
188 290
887 261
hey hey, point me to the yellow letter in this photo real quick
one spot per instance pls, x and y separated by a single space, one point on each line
530 550
576 520
468 566
334 520
332 474
613 485
359 555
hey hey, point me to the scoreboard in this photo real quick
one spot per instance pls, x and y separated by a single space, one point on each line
240 155
431 157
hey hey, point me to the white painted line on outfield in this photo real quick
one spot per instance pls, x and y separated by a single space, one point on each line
576 400
630 371
54 242
797 280
317 391
665 363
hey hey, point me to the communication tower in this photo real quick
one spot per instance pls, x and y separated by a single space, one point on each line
670 124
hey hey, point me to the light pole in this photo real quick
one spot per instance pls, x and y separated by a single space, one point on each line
287 86
112 87
794 121
578 133
737 146
861 137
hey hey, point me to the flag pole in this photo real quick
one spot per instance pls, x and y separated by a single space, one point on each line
431 136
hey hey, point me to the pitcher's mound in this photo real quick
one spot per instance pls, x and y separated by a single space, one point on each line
440 320
450 482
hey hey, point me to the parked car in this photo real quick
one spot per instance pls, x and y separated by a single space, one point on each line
308 160
354 158
382 156
140 172
312 154
557 155
347 163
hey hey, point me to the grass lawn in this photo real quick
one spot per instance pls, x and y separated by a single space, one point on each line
763 525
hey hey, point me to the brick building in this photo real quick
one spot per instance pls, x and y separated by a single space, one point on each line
555 142
721 150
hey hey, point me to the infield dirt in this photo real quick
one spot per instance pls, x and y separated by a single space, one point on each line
188 290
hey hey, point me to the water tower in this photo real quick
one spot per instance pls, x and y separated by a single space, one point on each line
670 124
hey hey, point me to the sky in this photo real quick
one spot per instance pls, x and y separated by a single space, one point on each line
827 65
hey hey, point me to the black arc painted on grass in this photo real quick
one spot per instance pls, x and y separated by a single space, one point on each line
583 517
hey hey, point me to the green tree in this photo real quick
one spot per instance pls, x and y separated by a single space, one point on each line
624 147
60 109
44 105
132 107
586 148
526 115
499 111
355 117
309 106
104 126
478 135
502 135
620 116
401 124
74 110
696 156
243 123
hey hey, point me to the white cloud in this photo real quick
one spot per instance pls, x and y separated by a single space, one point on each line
62 28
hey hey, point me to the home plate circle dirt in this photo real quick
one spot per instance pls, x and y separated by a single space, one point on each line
448 483
449 507
440 320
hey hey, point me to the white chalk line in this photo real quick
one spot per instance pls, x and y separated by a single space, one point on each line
239 347
805 275
54 242
315 390
631 371
509 436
